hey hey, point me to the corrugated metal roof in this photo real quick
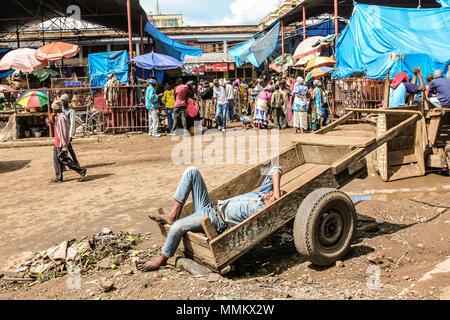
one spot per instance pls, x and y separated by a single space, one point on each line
109 13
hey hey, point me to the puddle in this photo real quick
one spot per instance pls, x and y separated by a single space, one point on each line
397 195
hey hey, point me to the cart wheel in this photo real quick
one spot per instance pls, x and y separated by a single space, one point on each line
324 226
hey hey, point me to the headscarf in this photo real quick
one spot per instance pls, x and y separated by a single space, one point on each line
268 88
300 80
399 78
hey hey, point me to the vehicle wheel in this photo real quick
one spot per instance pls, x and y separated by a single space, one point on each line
324 226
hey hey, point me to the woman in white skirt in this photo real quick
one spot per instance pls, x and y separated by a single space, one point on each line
300 106
262 117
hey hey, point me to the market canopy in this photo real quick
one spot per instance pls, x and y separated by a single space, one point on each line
108 13
256 51
170 47
103 64
315 8
378 39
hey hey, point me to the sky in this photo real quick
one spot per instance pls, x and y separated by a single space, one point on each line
215 12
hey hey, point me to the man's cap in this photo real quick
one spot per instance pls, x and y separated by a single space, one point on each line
438 74
65 97
152 81
57 105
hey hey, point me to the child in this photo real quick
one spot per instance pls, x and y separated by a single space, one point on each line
62 141
246 120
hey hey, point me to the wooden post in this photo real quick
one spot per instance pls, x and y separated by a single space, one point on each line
336 25
282 41
130 31
304 23
386 91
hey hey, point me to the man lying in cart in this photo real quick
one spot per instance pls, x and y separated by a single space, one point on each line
226 214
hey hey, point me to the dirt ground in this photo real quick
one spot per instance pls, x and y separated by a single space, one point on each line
402 250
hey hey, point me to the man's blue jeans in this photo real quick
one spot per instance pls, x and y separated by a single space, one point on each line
230 114
192 181
221 114
169 114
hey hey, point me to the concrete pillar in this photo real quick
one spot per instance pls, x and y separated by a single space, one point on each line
108 47
225 46
138 49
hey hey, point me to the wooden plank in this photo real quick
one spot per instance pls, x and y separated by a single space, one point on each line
385 111
322 140
401 157
209 228
401 143
240 239
325 155
198 238
336 123
360 153
419 148
434 129
248 180
382 151
402 172
387 90
197 253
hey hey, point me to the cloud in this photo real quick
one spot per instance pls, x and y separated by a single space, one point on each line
249 11
223 12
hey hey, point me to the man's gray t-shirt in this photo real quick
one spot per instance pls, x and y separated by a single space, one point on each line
221 94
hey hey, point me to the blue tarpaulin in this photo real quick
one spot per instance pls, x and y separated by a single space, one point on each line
378 39
105 63
5 74
165 45
321 29
444 3
256 51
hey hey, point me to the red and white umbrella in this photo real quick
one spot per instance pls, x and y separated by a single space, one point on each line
305 48
56 51
23 59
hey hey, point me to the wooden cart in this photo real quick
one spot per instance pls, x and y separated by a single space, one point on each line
314 169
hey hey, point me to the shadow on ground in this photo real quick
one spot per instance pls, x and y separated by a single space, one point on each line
99 165
278 253
11 166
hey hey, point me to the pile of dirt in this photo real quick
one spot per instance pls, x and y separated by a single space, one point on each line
103 251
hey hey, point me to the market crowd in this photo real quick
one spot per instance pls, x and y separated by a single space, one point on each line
278 102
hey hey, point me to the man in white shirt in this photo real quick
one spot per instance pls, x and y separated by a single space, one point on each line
221 105
70 114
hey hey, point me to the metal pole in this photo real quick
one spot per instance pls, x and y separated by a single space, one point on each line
336 25
130 31
304 23
282 40
142 42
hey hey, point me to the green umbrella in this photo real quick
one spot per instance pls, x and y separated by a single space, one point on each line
44 74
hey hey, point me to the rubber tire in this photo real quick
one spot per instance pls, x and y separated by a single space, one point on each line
307 222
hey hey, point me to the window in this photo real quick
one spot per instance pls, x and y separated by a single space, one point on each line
171 23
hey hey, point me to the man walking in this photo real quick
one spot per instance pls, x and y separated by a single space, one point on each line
180 92
169 100
221 105
151 103
230 97
70 114
62 140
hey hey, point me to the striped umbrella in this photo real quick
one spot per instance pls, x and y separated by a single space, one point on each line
318 72
33 99
319 62
57 51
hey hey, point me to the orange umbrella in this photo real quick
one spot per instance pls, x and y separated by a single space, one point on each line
57 51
